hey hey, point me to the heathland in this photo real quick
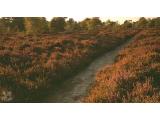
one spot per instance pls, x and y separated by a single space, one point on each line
37 55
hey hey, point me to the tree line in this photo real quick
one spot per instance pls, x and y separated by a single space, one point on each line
39 25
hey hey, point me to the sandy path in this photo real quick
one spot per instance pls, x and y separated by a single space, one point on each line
72 90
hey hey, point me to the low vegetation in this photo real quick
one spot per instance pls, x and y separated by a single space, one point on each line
135 75
30 65
37 55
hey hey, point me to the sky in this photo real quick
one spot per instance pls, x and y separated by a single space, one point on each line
119 19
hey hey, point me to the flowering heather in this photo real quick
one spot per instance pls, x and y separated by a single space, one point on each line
29 65
135 75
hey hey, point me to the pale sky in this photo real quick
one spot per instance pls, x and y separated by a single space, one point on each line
119 19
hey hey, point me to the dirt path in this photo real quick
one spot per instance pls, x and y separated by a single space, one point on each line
72 90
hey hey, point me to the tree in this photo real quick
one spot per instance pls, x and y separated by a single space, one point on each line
94 23
142 23
84 24
91 23
127 24
44 28
12 24
71 25
111 25
5 25
57 24
36 25
17 24
155 22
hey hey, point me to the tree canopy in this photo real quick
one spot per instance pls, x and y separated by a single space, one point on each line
57 24
36 25
39 25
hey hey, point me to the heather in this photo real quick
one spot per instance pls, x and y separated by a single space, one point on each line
134 77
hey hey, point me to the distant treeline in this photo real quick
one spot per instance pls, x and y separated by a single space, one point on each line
39 25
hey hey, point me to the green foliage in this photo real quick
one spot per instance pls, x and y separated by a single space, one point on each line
111 25
17 24
71 25
155 22
142 23
127 24
90 23
57 24
12 24
36 25
39 25
94 23
4 25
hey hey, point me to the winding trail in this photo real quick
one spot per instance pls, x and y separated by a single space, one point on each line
73 89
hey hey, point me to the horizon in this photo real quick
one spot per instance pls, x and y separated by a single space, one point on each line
118 19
